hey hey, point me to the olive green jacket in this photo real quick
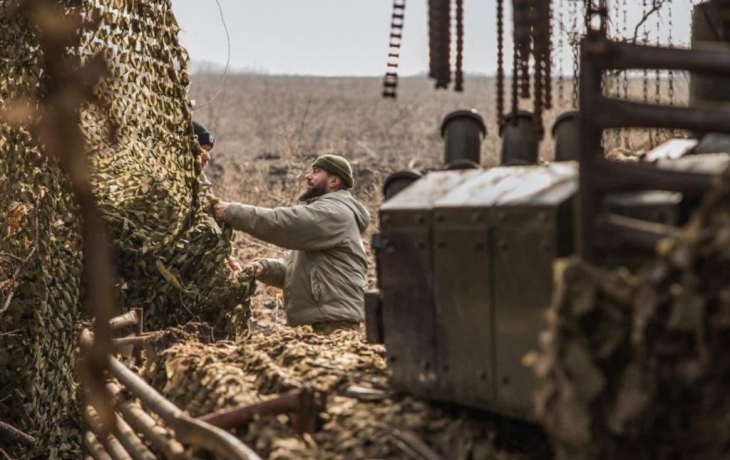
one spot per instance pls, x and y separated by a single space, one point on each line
323 276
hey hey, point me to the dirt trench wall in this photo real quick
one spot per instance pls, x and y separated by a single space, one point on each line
170 254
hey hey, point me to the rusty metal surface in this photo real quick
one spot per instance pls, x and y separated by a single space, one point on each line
424 192
613 176
130 318
619 233
304 404
653 206
516 185
94 447
709 58
566 133
374 317
187 430
406 266
405 271
463 275
705 163
390 81
494 233
600 233
520 136
439 42
524 247
708 89
131 442
614 113
462 132
109 441
399 180
670 150
408 443
143 423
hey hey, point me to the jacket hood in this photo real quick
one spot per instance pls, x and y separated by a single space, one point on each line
362 216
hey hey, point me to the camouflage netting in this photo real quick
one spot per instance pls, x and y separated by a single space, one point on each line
38 307
637 366
170 253
206 377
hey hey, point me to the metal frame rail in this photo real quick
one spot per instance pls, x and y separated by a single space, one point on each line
600 232
124 443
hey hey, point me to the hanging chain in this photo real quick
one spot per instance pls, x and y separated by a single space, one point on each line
522 12
390 82
670 76
575 45
645 79
541 49
596 9
624 22
658 72
458 71
547 56
515 80
624 138
439 36
500 62
561 49
645 41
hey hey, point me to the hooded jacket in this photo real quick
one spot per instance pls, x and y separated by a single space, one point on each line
323 276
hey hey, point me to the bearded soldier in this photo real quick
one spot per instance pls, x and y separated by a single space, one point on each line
323 274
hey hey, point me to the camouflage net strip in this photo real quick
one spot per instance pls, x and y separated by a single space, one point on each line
637 366
40 269
206 377
170 253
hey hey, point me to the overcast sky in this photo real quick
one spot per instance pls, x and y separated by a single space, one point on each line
350 37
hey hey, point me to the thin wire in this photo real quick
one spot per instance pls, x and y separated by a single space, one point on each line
228 59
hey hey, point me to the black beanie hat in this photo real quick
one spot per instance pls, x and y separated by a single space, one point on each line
335 164
204 136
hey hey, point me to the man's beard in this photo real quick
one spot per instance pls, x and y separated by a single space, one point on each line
313 192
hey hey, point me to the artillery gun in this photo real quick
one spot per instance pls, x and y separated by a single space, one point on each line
466 255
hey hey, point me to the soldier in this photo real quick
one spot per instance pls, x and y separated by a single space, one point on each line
206 141
323 274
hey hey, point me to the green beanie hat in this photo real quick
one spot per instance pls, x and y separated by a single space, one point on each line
335 164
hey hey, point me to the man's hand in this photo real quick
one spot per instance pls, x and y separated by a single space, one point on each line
257 268
219 211
234 264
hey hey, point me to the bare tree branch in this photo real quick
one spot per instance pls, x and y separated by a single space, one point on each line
656 5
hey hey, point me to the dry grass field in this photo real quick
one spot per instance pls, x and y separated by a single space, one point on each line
270 128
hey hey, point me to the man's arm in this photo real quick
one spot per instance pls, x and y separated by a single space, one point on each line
316 226
273 271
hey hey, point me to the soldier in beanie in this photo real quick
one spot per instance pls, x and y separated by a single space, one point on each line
206 140
323 274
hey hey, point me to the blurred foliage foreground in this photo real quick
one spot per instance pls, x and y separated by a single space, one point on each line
170 254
